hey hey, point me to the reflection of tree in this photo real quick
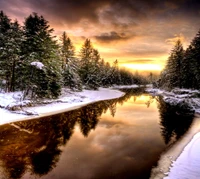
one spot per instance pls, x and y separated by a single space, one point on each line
89 115
45 160
68 128
14 169
129 92
112 109
34 145
151 100
174 120
37 145
88 119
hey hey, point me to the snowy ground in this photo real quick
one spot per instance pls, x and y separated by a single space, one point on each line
67 101
179 96
182 161
187 166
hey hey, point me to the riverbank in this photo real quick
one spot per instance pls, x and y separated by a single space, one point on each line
181 97
182 160
67 101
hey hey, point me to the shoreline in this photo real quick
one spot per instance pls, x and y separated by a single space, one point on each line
176 161
74 100
168 158
69 101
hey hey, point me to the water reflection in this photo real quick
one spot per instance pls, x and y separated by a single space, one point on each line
175 120
36 146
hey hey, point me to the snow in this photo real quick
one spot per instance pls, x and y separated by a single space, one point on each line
178 96
11 99
187 165
38 65
125 86
182 161
68 100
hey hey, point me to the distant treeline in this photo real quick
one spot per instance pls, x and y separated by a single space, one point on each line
32 61
183 67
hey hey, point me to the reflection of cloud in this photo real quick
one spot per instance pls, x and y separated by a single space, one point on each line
113 146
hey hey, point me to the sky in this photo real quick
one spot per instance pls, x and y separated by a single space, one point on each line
138 33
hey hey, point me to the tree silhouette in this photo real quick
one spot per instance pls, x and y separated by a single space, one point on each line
172 74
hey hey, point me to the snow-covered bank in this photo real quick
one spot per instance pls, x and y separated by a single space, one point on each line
125 86
179 96
67 101
183 159
188 163
168 166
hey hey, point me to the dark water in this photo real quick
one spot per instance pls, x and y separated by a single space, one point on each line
114 139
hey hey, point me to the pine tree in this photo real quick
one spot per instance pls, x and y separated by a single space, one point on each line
87 68
67 49
11 37
192 64
39 46
115 75
103 73
107 73
126 77
95 68
96 61
172 74
17 39
5 26
70 64
189 70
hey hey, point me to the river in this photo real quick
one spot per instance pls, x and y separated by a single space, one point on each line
113 139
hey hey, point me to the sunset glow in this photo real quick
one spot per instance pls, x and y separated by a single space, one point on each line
139 34
143 67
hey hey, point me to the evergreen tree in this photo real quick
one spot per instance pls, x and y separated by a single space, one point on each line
110 74
67 49
95 68
189 70
183 68
126 77
17 38
11 38
96 61
39 46
5 26
104 69
172 74
192 64
115 74
70 64
87 71
106 74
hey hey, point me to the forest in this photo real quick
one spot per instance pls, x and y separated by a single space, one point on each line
182 69
33 61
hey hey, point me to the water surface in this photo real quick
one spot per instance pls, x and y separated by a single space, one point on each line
119 139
